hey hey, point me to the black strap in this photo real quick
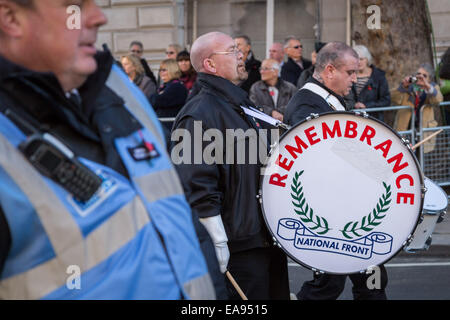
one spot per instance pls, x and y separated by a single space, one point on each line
25 123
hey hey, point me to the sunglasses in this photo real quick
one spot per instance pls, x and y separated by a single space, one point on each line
162 70
297 47
136 51
170 52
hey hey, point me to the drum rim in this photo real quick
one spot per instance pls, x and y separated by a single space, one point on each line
435 212
365 116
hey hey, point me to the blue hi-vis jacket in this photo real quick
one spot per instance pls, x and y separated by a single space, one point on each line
134 239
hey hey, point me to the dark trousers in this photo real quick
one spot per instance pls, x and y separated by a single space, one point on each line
329 287
261 273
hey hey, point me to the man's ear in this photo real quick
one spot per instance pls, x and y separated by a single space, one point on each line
209 65
329 70
10 22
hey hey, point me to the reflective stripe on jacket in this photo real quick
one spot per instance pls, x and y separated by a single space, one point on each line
133 240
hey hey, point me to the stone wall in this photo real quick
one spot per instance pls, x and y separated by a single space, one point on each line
156 23
440 17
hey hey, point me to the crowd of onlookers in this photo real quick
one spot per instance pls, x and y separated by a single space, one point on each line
272 82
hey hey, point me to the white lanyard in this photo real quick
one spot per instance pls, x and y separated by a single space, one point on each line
332 101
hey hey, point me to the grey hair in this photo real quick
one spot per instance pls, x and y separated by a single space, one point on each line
176 46
333 53
363 52
136 43
429 69
245 37
289 38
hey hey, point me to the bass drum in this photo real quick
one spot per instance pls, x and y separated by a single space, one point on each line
341 193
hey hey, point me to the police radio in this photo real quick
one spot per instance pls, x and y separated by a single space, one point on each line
57 162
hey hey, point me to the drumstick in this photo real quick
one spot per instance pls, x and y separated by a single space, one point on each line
426 139
236 286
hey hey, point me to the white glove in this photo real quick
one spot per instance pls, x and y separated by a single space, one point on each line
216 231
223 255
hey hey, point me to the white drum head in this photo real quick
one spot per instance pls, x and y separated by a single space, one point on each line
341 193
436 199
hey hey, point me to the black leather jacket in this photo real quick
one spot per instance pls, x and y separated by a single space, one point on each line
291 71
228 190
305 102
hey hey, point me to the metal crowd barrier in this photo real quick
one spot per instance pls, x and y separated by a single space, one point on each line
410 134
435 157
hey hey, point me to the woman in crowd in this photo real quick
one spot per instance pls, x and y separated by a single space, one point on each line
371 89
171 95
189 75
135 71
417 91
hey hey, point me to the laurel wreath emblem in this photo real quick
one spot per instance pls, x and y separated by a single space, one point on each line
372 220
302 208
320 224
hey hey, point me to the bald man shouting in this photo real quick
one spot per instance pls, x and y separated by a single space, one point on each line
223 192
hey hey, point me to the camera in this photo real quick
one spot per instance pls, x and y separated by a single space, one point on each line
412 79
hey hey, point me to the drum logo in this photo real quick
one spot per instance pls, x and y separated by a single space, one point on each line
312 227
343 185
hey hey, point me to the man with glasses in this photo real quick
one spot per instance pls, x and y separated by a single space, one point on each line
271 92
223 191
137 49
295 64
334 74
243 43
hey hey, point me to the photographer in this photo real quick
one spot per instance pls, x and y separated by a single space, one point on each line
416 91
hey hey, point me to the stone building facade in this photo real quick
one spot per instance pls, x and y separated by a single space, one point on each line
157 23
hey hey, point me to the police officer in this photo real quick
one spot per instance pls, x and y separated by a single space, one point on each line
334 75
90 205
223 193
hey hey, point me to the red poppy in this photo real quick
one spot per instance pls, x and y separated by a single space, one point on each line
369 88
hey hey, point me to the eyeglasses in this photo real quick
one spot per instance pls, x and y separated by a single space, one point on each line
235 51
297 47
136 51
422 74
162 70
170 52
